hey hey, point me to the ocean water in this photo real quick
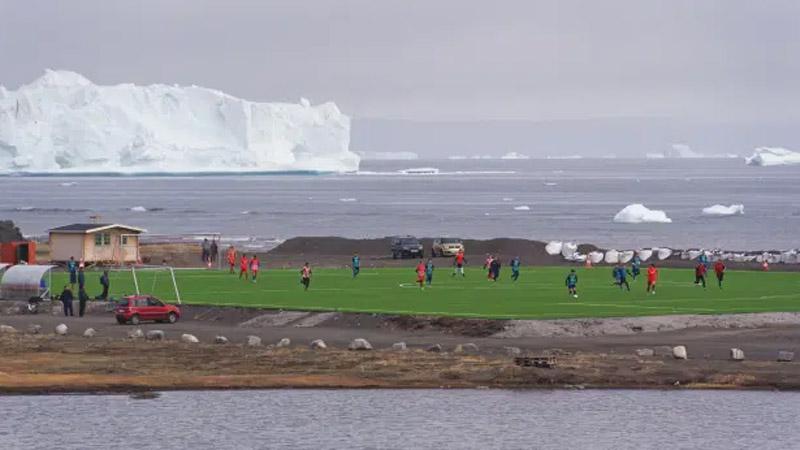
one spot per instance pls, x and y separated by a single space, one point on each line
405 419
566 199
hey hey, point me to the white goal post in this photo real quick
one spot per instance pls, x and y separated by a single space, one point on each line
135 270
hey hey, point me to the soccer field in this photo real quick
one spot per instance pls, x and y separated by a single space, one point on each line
540 292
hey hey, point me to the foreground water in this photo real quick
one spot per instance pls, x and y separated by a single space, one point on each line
567 200
404 419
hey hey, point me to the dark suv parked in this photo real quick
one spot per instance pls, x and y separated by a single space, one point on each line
406 247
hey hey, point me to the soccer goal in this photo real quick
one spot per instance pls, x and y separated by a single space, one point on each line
158 281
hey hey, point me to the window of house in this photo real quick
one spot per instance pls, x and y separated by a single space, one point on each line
101 239
124 240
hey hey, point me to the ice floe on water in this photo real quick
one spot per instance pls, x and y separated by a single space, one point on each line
420 171
508 199
522 208
773 156
515 155
638 213
139 209
722 210
69 184
348 200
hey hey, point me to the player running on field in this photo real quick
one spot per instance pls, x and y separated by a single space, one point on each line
231 258
515 263
636 264
356 265
572 283
458 263
621 276
420 269
700 274
719 269
255 266
652 279
429 272
305 276
494 269
487 265
243 264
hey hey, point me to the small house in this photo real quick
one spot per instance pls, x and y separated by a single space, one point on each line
95 243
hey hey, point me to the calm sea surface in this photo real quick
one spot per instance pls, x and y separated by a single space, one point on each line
406 419
567 200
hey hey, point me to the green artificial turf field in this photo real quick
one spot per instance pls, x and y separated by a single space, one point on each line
539 293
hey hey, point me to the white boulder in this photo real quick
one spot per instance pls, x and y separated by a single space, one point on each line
553 248
220 340
61 329
569 249
664 253
7 329
737 354
399 346
253 341
644 254
89 333
679 352
155 335
612 257
189 338
318 344
595 257
135 334
285 342
359 344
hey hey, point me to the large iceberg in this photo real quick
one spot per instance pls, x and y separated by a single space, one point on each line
64 123
638 213
722 210
773 156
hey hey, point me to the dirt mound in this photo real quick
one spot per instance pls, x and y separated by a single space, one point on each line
9 232
448 325
531 252
329 245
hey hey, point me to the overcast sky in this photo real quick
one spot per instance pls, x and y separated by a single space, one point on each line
433 60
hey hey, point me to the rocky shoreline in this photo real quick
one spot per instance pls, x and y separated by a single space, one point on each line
235 348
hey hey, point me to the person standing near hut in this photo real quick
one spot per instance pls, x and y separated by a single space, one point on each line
105 283
72 268
66 298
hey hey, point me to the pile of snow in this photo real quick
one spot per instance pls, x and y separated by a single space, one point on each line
62 122
595 257
522 208
569 249
644 254
722 210
553 248
387 156
664 253
773 156
515 155
612 256
638 213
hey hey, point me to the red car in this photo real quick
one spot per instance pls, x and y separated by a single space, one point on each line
136 308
